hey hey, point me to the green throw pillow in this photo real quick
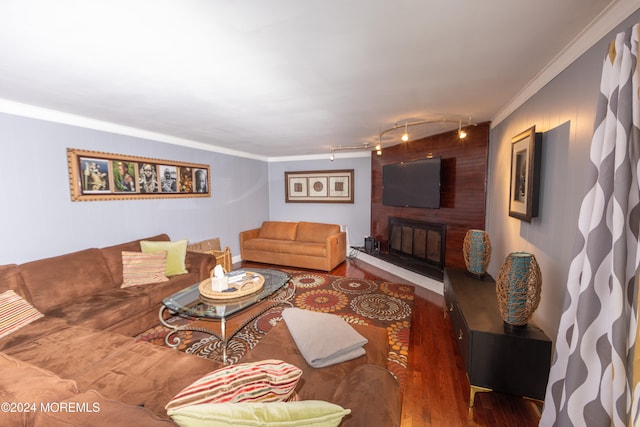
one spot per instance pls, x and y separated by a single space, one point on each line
176 254
281 414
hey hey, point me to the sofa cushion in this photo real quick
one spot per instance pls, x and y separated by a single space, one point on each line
91 409
15 313
316 232
159 291
84 273
279 230
102 309
140 268
277 414
70 351
287 247
141 373
136 373
382 409
43 326
113 254
25 384
176 254
264 381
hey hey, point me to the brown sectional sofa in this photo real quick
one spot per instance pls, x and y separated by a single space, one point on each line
296 244
362 384
82 353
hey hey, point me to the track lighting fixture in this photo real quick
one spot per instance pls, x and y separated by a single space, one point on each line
405 136
332 150
462 134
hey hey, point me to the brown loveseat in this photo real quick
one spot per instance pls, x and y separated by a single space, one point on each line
81 354
296 244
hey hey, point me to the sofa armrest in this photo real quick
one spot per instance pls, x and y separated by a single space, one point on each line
337 248
200 263
246 235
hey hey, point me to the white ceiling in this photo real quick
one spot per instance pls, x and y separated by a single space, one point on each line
281 77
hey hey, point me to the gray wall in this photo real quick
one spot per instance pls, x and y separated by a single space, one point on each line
564 111
356 216
38 218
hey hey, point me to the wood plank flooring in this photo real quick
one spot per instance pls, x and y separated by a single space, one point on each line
437 391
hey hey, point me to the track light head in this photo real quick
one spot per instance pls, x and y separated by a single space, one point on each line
405 135
462 134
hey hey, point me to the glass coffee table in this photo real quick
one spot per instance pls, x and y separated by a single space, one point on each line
190 304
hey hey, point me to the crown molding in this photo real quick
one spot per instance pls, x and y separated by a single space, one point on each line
606 21
31 111
342 155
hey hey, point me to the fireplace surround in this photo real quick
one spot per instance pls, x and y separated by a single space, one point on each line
462 192
417 246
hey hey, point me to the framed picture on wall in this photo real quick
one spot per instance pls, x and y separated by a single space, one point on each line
95 175
330 186
201 180
525 174
148 178
124 173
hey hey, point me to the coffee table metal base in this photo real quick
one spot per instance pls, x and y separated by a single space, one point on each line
172 340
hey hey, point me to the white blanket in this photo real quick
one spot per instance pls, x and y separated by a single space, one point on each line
323 339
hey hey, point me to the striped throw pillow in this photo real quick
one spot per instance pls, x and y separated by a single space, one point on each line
265 381
15 312
140 268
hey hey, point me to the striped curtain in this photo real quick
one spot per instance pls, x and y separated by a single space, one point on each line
592 382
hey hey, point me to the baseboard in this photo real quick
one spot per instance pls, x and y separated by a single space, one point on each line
415 278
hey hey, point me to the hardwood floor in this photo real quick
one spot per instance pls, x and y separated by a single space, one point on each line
437 390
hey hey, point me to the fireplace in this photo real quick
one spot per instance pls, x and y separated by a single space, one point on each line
417 245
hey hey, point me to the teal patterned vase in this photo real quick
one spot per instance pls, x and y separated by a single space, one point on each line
476 250
518 288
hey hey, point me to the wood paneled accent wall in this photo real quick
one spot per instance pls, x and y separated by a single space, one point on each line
463 186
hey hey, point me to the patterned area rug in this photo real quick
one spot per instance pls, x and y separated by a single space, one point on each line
357 301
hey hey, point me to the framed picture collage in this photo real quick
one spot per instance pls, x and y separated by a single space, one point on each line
96 175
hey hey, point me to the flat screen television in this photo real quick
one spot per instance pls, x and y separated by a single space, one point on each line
413 184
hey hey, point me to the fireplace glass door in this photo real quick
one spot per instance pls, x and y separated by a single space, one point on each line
418 240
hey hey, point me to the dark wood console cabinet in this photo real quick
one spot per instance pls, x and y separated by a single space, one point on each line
497 357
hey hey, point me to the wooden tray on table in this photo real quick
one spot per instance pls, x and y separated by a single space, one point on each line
252 283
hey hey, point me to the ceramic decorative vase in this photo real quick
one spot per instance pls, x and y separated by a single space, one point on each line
518 288
476 250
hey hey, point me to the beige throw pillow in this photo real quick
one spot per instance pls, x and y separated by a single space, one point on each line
140 268
264 381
